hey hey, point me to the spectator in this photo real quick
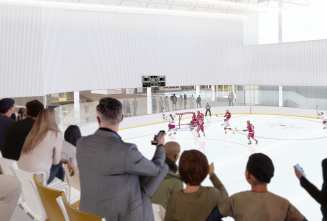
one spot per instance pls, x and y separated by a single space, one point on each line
174 101
198 101
166 103
154 104
319 196
87 112
135 104
13 116
7 108
68 152
195 203
232 98
257 204
161 104
192 101
42 148
117 181
180 102
17 132
10 190
128 108
172 181
229 99
185 101
21 114
124 107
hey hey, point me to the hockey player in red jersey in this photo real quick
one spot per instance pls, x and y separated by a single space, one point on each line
228 115
200 124
194 122
250 128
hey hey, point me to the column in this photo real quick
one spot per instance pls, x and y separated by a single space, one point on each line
223 90
77 111
213 93
197 91
149 100
45 101
280 96
233 90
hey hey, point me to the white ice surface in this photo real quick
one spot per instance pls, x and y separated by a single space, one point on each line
286 140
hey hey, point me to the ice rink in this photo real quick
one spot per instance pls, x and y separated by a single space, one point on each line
286 140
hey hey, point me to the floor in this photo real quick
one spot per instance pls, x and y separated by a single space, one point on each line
286 140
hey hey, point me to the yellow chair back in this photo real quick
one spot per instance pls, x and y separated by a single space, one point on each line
78 215
48 197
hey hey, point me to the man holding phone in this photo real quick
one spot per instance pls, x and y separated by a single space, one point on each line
117 181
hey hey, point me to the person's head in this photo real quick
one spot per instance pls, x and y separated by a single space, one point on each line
72 134
172 150
322 113
198 112
192 95
7 106
33 108
248 122
135 98
259 169
231 92
227 111
21 113
45 122
207 103
109 112
13 116
193 167
199 95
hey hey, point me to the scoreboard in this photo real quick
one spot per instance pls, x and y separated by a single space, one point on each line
153 81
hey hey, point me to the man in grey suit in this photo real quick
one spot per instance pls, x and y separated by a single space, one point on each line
117 181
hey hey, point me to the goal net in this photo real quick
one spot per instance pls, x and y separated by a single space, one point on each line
184 119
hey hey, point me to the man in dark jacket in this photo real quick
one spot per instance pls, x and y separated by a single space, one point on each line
198 101
174 101
17 132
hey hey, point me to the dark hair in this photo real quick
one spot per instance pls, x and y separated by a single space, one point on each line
193 167
72 134
13 116
21 114
6 104
261 167
34 107
110 110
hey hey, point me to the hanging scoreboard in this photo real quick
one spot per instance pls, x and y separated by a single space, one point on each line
153 81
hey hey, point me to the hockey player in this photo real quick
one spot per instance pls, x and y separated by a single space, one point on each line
228 115
200 124
194 122
171 125
226 126
325 119
250 128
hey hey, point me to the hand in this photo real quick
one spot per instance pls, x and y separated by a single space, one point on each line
298 173
161 140
211 168
71 168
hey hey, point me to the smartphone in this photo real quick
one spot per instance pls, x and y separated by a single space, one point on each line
156 137
300 169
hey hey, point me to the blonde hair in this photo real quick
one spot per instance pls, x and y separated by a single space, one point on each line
46 121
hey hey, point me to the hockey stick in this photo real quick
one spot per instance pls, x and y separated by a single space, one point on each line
219 116
237 129
317 112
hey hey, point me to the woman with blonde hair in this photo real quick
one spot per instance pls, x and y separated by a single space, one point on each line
21 114
42 147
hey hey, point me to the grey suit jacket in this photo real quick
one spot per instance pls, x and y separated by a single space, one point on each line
111 173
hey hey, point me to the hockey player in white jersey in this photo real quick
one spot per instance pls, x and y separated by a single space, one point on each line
226 125
171 125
